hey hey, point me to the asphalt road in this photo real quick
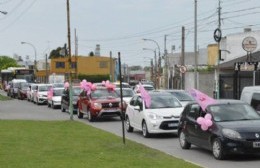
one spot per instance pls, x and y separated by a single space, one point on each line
24 110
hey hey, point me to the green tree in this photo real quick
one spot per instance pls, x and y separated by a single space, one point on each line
91 54
59 52
6 62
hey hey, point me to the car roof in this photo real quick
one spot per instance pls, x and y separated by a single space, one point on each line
223 101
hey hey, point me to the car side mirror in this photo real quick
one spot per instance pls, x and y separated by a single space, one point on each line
137 108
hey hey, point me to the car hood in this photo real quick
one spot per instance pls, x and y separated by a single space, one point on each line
166 112
242 126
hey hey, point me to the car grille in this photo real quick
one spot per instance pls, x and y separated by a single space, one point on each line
166 125
110 105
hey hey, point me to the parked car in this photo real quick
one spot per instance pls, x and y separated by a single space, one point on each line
101 102
40 93
65 99
54 98
251 95
161 117
183 96
233 128
22 90
13 90
128 93
146 87
30 91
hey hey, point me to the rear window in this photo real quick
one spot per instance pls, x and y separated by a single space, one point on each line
182 96
255 102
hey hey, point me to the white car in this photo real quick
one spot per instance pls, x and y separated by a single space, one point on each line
161 117
31 89
128 93
55 99
40 94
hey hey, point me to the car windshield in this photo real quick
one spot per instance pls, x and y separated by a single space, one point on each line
76 91
103 93
57 92
43 88
24 85
15 85
58 85
126 92
163 101
182 96
233 112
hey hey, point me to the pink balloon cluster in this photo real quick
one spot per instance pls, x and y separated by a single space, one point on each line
87 86
205 122
108 85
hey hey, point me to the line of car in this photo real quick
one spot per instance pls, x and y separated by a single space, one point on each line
234 128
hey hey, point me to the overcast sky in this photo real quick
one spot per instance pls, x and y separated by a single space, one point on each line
118 25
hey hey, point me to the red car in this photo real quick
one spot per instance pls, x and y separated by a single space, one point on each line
102 102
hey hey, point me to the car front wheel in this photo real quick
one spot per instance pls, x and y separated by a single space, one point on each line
128 126
217 149
183 142
90 117
146 133
79 113
62 108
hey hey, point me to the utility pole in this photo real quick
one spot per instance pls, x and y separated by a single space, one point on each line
195 47
46 67
111 64
219 51
183 56
166 81
76 52
70 75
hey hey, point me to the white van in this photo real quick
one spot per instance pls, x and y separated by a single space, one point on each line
251 95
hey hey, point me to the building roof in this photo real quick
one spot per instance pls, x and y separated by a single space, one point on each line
255 57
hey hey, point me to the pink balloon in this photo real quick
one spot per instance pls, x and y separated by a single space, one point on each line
200 120
93 87
103 83
66 85
204 127
208 117
208 123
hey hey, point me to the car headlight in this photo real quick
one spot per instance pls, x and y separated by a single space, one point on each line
229 133
97 105
154 116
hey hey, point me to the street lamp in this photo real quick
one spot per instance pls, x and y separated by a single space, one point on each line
159 61
35 55
3 12
155 62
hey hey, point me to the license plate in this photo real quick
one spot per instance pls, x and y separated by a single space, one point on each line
172 125
256 144
111 110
